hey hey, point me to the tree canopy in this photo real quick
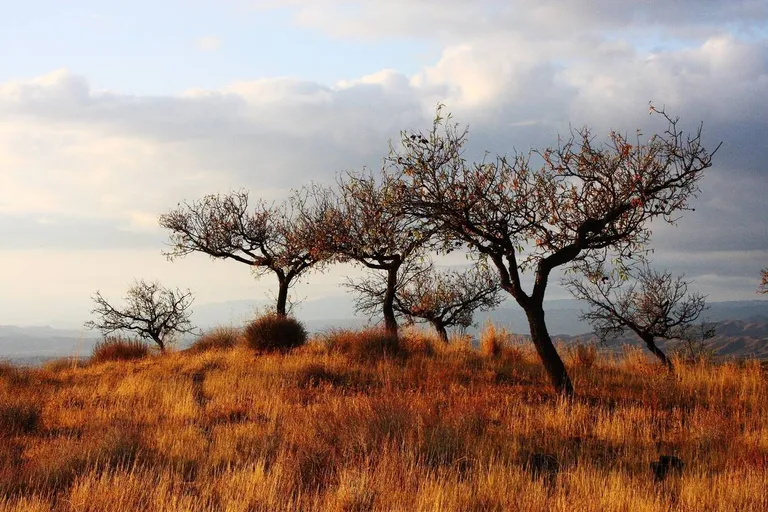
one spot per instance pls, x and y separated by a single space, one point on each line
364 221
444 298
269 238
151 311
652 304
578 201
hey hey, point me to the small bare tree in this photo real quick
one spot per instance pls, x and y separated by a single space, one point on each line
584 201
693 342
152 311
763 281
444 299
364 222
651 304
266 237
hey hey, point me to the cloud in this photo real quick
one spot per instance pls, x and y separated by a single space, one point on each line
208 43
30 232
518 73
550 20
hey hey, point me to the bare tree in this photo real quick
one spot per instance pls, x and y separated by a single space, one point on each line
364 222
267 237
584 202
152 311
444 299
649 303
763 281
693 341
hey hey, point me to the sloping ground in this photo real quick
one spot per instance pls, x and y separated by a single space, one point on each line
736 339
740 347
427 428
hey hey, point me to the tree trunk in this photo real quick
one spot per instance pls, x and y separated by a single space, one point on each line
282 297
547 351
440 328
651 344
390 322
159 342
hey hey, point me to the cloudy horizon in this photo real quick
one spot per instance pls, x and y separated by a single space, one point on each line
111 114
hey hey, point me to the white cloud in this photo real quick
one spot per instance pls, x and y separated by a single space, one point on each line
517 73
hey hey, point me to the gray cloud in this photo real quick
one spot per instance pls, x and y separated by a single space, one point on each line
32 233
549 19
518 73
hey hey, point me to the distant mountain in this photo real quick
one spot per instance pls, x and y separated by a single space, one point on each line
733 338
34 344
741 326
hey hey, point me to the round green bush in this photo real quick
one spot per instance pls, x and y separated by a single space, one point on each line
273 332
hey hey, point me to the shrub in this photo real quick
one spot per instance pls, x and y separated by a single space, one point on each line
363 345
274 332
114 348
221 338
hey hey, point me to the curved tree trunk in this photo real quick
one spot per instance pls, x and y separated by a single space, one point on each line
282 296
388 308
547 351
440 328
651 344
159 342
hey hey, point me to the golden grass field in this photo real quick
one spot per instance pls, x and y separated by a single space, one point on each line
340 427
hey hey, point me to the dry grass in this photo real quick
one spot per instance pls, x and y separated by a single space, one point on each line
366 345
497 341
115 348
218 338
326 427
582 355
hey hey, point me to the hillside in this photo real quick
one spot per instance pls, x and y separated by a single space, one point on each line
339 425
737 339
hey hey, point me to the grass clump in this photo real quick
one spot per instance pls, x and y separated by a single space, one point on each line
417 342
119 349
365 345
584 355
13 375
273 332
62 364
493 340
19 418
219 338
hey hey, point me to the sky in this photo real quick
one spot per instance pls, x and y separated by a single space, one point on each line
111 113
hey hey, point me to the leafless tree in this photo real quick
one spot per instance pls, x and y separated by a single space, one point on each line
152 311
583 202
693 341
763 281
649 303
267 237
364 222
442 298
